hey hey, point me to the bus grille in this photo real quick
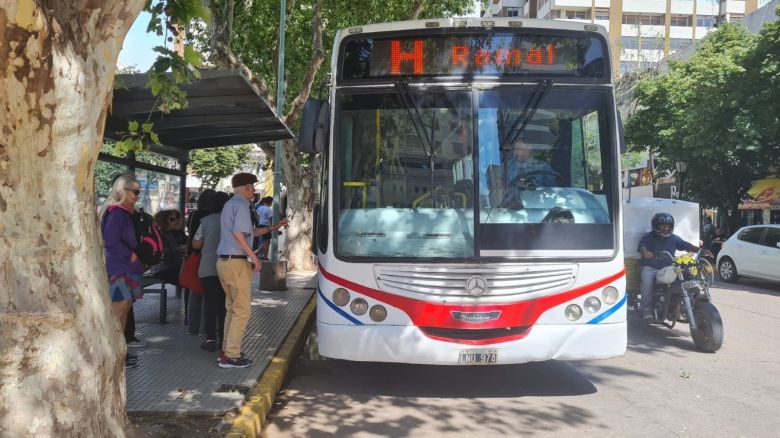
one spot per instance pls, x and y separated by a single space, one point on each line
451 281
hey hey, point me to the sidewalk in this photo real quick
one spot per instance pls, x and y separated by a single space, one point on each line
175 375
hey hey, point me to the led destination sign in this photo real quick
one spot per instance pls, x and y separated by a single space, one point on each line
494 54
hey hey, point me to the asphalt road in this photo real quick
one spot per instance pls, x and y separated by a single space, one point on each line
661 387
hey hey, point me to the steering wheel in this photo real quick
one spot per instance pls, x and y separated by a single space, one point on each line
521 180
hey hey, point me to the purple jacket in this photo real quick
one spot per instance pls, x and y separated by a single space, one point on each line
119 237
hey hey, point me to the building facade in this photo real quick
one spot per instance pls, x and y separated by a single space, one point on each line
641 32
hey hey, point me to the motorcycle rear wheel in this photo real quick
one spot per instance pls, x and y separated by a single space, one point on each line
708 336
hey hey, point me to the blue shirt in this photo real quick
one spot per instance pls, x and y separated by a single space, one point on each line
266 215
653 243
236 217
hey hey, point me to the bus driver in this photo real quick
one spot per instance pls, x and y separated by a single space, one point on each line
522 163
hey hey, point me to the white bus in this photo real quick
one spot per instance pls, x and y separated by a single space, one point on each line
470 203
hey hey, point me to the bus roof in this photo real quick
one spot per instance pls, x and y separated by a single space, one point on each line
506 24
512 23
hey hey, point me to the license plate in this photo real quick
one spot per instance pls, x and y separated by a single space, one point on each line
477 357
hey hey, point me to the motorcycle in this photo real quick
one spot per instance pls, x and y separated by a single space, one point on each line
682 294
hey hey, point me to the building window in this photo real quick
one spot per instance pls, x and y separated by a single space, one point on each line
602 14
643 19
705 20
512 12
681 20
555 13
576 15
630 42
679 43
736 18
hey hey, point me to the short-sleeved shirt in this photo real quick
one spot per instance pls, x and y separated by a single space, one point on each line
654 243
266 215
208 232
235 217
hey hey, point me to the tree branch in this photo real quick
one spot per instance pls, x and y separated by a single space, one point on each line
317 57
417 8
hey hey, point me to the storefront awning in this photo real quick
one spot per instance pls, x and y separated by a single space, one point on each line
764 194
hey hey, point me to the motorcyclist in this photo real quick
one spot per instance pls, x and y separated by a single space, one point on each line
661 238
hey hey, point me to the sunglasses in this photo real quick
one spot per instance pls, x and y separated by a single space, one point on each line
136 191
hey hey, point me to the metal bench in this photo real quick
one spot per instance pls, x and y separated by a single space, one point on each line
152 280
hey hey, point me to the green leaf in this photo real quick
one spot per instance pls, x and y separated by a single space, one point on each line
193 56
132 126
155 138
119 84
147 127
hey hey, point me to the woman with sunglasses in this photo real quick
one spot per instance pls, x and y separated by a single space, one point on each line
122 265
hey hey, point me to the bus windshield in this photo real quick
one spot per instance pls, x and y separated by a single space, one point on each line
414 179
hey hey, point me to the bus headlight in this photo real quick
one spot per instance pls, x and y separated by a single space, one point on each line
340 297
573 312
377 313
592 305
610 295
359 306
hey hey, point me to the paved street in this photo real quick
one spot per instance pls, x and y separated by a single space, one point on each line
661 387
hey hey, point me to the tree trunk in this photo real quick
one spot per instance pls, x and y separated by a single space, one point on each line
61 355
302 193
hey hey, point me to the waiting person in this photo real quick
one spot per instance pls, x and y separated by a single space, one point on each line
265 219
661 238
171 224
235 263
523 163
718 237
122 265
205 198
206 240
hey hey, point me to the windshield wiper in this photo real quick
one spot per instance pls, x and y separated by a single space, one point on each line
531 106
402 88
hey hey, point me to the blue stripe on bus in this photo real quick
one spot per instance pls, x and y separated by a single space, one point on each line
338 309
609 312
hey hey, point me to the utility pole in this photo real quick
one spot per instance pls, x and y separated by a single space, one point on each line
278 144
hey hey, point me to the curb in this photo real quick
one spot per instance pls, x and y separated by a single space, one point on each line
252 415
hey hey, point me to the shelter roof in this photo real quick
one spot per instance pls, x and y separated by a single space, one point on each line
224 109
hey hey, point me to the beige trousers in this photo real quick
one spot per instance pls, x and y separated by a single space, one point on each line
236 278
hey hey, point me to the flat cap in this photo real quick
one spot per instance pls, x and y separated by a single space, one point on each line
242 179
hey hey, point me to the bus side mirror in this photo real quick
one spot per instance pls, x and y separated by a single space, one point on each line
313 136
621 137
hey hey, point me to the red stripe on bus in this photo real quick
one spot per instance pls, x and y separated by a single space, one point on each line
428 314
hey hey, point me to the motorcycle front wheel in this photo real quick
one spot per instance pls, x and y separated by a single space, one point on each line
708 336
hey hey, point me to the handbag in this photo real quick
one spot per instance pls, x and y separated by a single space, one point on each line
188 276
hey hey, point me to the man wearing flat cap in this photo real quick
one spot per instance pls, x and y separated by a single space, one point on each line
235 263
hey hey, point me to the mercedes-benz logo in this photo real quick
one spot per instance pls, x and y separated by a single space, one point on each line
476 285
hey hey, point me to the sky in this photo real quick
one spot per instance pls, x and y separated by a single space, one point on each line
137 50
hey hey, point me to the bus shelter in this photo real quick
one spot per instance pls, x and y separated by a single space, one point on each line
224 108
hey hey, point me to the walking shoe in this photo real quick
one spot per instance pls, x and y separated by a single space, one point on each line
241 362
131 363
136 343
209 345
222 355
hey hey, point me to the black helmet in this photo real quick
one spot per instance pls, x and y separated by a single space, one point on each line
660 219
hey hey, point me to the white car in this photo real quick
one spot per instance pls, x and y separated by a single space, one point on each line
752 251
